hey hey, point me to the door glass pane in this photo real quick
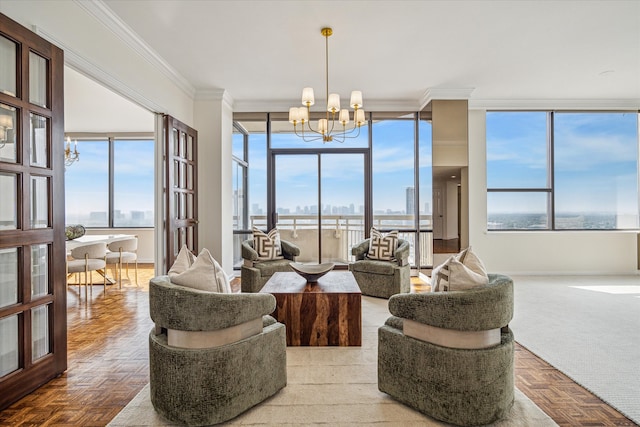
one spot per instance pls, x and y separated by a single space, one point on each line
190 147
8 345
8 276
37 80
342 184
7 66
297 203
87 185
38 141
39 270
8 126
176 142
39 332
9 205
39 202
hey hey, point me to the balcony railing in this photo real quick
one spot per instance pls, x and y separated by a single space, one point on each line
339 234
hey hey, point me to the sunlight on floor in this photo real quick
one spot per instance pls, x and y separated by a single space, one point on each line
632 289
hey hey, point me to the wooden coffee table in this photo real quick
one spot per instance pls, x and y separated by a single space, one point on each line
326 313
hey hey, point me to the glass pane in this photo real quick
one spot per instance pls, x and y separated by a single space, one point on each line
183 144
596 170
176 142
176 206
8 126
9 205
87 185
8 276
39 202
426 175
8 50
283 136
393 174
257 173
190 207
517 150
517 211
190 181
133 183
342 205
190 147
183 175
237 145
8 345
39 270
176 173
38 136
183 206
239 202
37 80
39 332
297 203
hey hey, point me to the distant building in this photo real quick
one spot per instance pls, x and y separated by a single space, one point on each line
410 200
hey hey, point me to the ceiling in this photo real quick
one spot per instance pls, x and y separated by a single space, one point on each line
395 52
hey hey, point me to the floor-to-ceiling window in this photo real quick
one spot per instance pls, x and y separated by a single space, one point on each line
325 196
549 170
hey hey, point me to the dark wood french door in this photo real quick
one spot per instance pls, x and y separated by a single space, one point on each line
181 188
33 318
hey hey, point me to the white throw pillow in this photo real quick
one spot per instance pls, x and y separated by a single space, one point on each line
204 274
184 260
460 272
267 245
382 246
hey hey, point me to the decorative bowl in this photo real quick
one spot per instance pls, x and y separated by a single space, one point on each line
312 272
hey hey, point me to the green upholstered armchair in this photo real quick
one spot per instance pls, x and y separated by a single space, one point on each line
212 356
450 354
254 273
382 278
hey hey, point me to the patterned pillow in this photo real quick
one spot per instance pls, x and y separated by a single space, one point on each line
460 272
267 245
382 246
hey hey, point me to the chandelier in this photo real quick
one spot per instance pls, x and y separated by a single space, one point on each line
334 126
69 156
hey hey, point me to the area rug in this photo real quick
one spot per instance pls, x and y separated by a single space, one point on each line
588 327
334 386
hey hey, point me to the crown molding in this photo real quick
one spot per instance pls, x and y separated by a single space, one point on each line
214 95
445 93
96 73
104 15
555 104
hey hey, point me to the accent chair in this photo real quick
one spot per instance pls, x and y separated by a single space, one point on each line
212 356
254 272
381 278
450 354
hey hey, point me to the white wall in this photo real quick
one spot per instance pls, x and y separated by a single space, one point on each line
538 252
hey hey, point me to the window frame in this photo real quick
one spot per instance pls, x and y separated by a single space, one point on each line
110 139
551 184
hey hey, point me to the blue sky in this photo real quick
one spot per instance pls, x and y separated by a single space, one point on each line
595 161
343 174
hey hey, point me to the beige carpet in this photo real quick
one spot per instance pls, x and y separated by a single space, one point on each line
333 386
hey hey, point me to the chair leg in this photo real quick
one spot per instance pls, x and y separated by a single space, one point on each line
137 272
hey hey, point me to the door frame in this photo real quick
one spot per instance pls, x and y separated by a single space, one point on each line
272 153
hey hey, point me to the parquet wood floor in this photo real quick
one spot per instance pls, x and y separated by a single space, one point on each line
108 366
